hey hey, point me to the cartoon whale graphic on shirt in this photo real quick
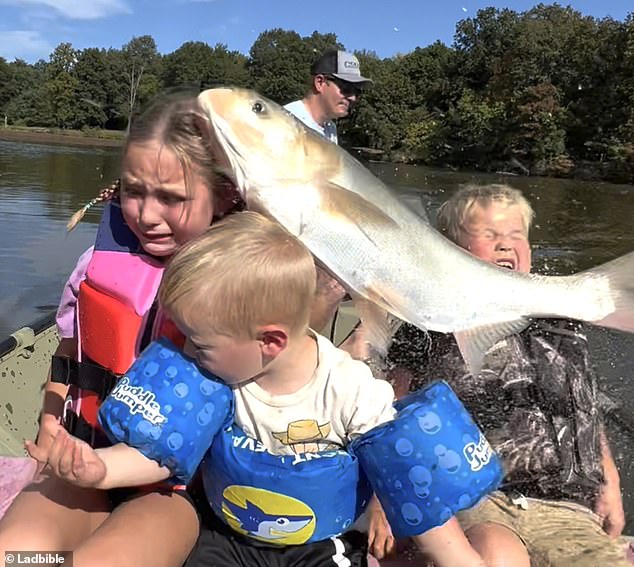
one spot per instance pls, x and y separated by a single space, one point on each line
267 526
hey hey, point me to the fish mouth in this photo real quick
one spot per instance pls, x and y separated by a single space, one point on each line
228 155
506 263
222 145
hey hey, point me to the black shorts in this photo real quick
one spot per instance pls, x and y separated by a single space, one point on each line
219 546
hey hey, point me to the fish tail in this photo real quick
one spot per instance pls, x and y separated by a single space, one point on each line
619 275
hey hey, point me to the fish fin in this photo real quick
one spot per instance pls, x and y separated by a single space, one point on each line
414 202
474 343
619 274
337 201
379 325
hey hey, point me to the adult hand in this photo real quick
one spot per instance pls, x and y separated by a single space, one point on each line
328 286
328 295
609 507
70 459
380 539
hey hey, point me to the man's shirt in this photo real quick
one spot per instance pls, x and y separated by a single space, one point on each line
328 130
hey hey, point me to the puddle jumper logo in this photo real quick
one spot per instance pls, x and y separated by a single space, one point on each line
479 454
139 400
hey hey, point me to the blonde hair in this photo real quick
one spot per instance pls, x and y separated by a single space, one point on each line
454 212
176 121
245 271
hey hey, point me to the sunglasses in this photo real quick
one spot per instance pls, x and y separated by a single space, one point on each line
346 89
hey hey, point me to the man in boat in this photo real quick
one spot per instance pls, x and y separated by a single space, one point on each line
336 84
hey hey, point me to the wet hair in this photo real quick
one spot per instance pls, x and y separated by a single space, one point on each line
176 121
455 211
245 271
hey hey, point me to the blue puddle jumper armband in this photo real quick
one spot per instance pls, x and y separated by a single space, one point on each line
167 408
282 499
430 462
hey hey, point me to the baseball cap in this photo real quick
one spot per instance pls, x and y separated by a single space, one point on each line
340 64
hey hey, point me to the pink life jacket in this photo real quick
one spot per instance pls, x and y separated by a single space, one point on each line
116 320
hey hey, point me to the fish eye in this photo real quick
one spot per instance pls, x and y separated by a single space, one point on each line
258 107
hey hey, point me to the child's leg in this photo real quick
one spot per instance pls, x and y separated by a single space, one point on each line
560 534
52 515
154 530
447 546
498 546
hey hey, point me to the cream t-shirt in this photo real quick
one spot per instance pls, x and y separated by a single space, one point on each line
343 400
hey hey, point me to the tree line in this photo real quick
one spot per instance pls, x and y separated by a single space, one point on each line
545 91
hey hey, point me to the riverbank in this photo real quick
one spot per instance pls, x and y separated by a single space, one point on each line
621 171
99 138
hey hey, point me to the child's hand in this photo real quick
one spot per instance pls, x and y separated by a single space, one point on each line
380 538
70 458
49 427
609 507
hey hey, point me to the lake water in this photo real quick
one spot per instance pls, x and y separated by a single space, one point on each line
578 225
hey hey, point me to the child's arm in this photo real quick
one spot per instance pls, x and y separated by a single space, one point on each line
54 396
447 546
380 539
77 462
126 466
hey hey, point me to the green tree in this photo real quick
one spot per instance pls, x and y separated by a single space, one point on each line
27 102
425 138
474 123
318 43
92 72
198 65
626 81
141 64
429 70
229 68
539 138
191 64
280 60
61 86
117 94
6 78
598 104
481 42
379 117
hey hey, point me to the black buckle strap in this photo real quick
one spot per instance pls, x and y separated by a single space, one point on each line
85 375
63 369
77 426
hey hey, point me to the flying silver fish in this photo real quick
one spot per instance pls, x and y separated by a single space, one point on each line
391 259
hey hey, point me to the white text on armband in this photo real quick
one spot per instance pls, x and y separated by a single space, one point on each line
139 400
478 455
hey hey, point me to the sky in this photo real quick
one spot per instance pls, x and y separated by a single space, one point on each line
30 29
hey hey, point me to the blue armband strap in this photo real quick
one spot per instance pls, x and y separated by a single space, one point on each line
429 462
167 408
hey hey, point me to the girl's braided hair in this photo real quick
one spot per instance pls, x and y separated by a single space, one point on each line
107 193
